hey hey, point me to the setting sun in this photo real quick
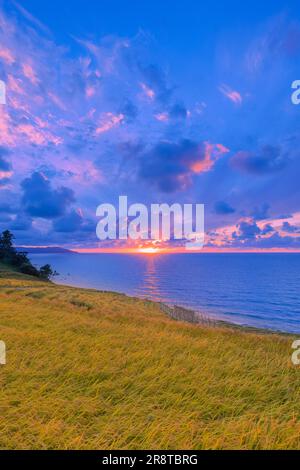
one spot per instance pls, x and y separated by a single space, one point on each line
148 250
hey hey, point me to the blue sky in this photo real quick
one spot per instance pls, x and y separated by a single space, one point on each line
162 101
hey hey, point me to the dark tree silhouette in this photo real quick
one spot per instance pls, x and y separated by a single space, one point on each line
20 260
6 243
46 272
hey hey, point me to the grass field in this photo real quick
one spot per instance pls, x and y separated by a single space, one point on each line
93 370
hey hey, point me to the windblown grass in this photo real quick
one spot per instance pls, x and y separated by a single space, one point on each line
90 370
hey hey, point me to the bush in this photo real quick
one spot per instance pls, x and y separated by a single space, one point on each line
28 268
19 258
46 272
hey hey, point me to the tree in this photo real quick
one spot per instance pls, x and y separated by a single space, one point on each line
46 272
20 260
28 268
6 244
6 240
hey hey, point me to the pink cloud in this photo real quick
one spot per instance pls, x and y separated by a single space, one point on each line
90 91
56 100
18 105
30 74
6 55
37 136
32 134
148 91
212 153
232 95
6 134
163 117
5 174
109 121
14 85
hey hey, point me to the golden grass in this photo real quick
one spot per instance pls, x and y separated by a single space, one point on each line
93 370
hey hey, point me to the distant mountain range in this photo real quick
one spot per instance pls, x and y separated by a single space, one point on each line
44 249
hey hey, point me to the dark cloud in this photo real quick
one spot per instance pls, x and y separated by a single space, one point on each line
129 152
129 110
130 149
168 165
269 159
5 165
223 208
69 223
246 231
155 78
261 213
250 235
73 222
277 241
41 200
287 227
268 228
21 223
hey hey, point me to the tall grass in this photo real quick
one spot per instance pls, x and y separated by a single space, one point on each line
90 370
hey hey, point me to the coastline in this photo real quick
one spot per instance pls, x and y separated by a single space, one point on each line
235 298
183 314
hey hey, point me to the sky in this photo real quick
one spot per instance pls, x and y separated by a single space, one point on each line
165 102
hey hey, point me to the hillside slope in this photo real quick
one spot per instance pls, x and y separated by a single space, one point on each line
93 370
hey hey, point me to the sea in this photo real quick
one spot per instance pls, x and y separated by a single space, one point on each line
253 289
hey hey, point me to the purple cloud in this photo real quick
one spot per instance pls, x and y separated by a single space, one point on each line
41 200
269 159
223 208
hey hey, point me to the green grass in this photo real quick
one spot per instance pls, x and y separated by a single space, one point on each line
94 370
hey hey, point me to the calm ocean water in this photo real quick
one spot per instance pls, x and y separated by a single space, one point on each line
261 290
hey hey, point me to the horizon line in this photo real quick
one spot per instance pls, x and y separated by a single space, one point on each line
156 250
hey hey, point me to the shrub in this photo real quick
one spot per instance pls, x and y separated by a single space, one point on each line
28 268
46 272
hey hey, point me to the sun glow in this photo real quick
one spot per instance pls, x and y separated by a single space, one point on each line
149 250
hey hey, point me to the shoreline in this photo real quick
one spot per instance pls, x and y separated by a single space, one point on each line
186 313
231 302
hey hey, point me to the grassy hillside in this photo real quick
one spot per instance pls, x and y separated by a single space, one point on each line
94 370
